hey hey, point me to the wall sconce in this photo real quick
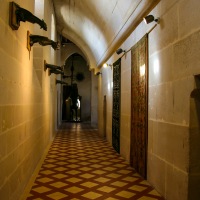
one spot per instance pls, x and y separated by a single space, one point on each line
119 51
49 66
60 82
105 65
17 14
150 18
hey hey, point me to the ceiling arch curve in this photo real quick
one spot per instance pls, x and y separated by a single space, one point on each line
71 49
99 27
79 46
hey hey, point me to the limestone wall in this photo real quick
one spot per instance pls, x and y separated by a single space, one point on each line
173 62
27 99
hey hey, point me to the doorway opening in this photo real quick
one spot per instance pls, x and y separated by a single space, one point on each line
76 101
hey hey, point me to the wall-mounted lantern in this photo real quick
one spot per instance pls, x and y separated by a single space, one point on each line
18 14
150 18
105 65
120 50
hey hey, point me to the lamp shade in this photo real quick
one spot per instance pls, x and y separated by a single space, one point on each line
148 19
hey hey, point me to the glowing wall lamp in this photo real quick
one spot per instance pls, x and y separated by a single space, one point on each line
150 18
105 65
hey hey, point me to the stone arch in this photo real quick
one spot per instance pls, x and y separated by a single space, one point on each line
80 66
71 49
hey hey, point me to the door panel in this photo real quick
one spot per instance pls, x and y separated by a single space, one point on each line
116 105
139 106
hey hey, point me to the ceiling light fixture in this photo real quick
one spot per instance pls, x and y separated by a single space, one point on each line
150 18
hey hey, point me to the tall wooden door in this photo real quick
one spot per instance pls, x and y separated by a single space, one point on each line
139 106
116 105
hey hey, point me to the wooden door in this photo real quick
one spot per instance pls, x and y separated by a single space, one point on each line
139 106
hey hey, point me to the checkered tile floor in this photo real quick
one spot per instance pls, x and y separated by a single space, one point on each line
82 166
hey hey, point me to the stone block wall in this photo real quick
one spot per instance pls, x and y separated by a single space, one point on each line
173 167
25 102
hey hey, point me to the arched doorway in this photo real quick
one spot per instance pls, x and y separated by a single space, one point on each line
77 93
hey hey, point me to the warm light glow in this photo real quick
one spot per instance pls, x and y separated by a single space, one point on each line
156 66
52 28
108 86
142 70
52 37
39 8
105 65
145 21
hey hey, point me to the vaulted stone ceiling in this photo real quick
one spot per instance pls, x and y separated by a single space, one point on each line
98 27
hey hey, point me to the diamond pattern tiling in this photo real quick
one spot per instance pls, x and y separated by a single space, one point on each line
57 195
82 166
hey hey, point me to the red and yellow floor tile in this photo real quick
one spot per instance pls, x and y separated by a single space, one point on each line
82 166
